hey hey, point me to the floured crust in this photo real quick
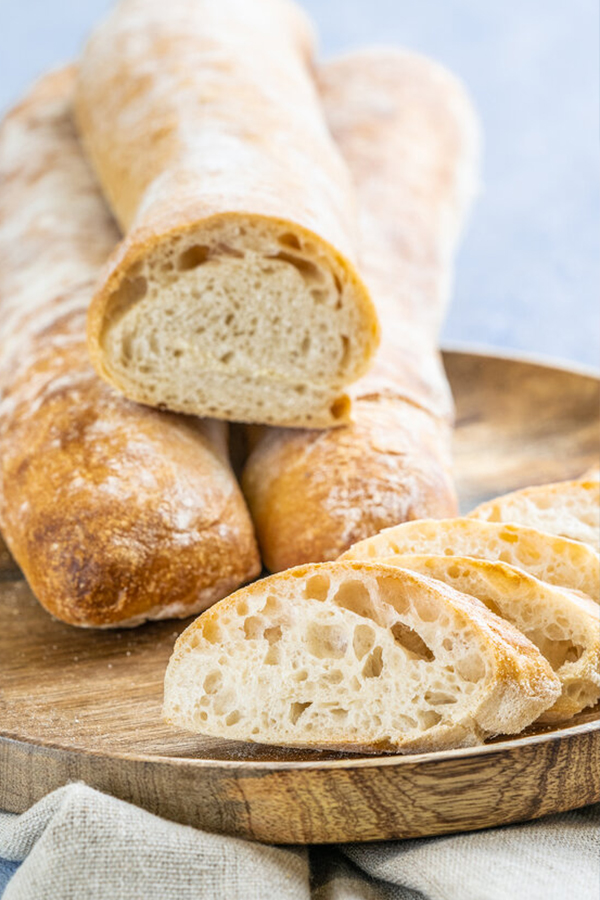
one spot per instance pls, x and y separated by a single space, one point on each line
567 508
565 563
563 625
116 513
355 656
203 124
409 135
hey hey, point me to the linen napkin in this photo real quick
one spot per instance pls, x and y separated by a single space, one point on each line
79 844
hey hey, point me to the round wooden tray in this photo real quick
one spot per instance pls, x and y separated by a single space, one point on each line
85 705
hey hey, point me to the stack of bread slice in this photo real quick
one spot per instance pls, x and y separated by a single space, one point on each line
429 635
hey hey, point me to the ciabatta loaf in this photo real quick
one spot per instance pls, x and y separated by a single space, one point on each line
116 513
234 294
409 135
551 558
568 508
563 625
358 656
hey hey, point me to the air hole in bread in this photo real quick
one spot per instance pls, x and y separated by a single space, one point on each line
364 638
425 608
353 595
557 652
326 641
211 632
129 292
308 270
317 587
300 675
289 240
429 718
227 357
334 677
272 605
390 591
471 667
305 345
193 257
439 698
272 656
253 627
408 638
447 644
319 296
338 714
296 710
213 682
373 665
233 718
273 634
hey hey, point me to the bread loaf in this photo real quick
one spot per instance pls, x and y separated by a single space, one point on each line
557 560
115 512
234 293
564 626
409 136
568 508
355 656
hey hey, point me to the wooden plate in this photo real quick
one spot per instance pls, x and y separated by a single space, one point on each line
86 705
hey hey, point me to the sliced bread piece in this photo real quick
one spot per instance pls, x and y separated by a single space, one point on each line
563 625
356 656
234 293
554 559
568 508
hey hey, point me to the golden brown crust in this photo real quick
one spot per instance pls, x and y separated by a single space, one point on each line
313 494
198 113
409 136
116 513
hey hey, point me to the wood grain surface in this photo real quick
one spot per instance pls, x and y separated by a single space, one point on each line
78 704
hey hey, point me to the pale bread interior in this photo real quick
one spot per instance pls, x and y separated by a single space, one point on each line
567 508
564 626
549 557
240 319
354 656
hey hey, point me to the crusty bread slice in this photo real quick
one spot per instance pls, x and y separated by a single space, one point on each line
563 625
557 560
359 656
234 293
568 508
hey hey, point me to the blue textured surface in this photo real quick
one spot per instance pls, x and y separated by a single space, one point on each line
7 870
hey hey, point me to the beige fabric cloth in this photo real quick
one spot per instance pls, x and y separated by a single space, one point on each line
79 844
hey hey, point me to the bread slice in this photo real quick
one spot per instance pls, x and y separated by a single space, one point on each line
234 293
554 559
568 508
563 625
356 656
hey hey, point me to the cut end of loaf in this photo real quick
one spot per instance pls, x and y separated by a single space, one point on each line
353 656
240 318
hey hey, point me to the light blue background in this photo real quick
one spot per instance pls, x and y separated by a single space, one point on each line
528 271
